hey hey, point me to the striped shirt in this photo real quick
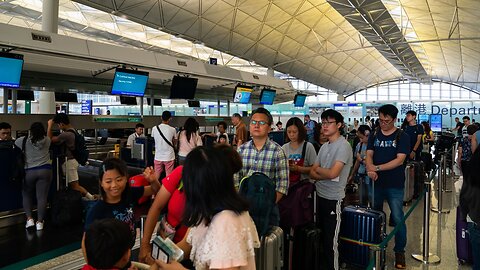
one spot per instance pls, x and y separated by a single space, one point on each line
270 160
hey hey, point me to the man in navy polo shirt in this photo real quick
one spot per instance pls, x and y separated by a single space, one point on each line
386 153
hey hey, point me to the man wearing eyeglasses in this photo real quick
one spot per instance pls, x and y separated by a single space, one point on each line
385 156
330 171
264 155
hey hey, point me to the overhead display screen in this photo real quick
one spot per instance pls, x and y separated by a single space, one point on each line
242 94
183 87
299 100
11 66
267 96
129 82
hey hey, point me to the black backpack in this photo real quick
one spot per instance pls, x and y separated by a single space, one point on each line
80 152
259 190
14 164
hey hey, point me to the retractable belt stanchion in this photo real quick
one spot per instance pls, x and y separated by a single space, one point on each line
375 254
426 257
442 180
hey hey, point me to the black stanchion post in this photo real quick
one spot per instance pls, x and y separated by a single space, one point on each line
426 257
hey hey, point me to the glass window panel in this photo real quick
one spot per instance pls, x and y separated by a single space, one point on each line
360 96
414 91
465 94
372 93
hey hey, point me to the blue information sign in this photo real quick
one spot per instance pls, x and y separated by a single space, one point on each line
86 106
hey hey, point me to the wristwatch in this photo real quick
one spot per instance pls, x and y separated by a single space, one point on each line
377 168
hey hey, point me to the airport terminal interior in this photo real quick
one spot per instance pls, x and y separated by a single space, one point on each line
110 65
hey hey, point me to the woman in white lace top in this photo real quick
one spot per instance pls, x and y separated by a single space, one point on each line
222 234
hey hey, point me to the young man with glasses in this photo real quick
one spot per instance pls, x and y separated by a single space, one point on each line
264 155
330 171
385 156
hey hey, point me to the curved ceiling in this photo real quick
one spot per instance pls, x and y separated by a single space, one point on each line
342 45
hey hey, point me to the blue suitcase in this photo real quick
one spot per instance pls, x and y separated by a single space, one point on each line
360 228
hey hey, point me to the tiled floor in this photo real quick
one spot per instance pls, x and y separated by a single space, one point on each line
442 234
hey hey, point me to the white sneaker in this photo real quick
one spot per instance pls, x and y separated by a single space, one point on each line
30 223
39 226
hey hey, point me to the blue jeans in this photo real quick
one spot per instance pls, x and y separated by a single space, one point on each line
474 235
394 197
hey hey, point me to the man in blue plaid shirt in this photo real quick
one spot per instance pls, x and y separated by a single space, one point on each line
264 155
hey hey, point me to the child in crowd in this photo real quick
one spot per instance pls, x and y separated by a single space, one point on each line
222 139
117 196
106 246
222 234
359 170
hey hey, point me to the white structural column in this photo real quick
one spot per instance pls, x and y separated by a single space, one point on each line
50 25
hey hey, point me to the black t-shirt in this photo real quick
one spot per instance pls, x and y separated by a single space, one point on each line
122 211
413 132
385 150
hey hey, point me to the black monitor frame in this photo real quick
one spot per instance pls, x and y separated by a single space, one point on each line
22 95
66 97
194 104
128 100
295 100
183 87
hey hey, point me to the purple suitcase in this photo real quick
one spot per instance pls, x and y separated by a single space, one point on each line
464 250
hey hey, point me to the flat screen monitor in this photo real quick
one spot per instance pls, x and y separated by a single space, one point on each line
128 100
11 66
194 103
129 82
183 87
242 94
156 101
66 97
299 100
436 122
423 118
22 95
267 96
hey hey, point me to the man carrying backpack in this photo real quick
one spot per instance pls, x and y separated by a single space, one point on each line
330 171
415 132
265 156
386 151
67 140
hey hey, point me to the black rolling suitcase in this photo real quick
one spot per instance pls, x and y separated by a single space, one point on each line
361 228
307 244
67 206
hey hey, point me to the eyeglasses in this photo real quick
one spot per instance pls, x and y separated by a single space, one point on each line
255 122
326 123
385 121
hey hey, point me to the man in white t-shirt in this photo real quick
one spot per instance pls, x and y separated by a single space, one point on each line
164 145
139 128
